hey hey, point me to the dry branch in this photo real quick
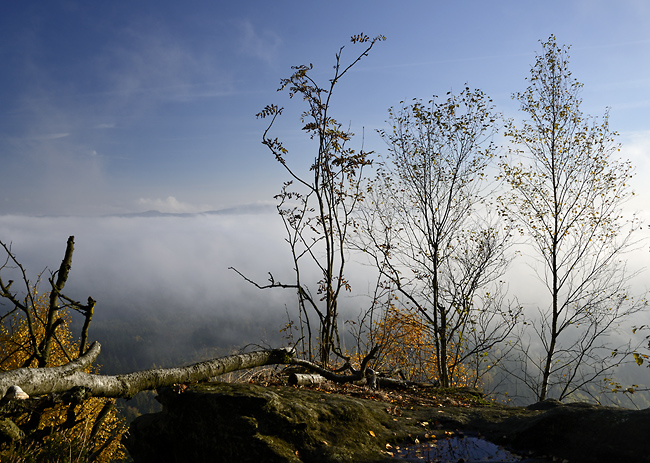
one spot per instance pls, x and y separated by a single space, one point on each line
303 379
41 381
71 377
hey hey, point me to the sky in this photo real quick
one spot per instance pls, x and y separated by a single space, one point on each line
112 108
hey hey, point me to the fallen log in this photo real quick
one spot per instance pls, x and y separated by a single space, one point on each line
304 379
65 378
364 373
69 377
391 383
41 381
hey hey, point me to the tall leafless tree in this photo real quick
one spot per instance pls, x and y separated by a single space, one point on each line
566 191
316 207
427 225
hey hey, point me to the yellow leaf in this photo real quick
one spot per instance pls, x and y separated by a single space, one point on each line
371 433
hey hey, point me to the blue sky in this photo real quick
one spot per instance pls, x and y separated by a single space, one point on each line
111 107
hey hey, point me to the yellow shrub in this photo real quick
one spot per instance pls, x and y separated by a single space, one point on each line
76 443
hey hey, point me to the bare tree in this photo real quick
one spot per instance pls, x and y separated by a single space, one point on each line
567 188
427 227
35 332
316 207
40 347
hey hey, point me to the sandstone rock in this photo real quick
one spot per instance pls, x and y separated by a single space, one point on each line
217 422
221 422
577 432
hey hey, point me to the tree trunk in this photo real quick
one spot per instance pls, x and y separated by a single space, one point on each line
40 381
302 379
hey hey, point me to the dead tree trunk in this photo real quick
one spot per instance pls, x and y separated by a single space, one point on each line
41 381
61 379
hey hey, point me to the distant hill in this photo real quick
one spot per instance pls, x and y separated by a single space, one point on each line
254 208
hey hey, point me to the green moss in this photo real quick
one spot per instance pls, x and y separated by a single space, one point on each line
279 447
246 423
241 422
464 394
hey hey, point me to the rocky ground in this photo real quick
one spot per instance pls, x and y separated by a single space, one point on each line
272 422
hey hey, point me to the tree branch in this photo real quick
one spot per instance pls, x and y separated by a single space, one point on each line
40 381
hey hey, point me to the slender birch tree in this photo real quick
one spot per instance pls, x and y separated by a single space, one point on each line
567 187
316 207
427 227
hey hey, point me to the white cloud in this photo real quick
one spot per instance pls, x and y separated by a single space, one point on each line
151 65
170 204
130 263
263 45
51 136
636 147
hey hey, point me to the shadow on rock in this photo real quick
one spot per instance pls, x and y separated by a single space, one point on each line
221 422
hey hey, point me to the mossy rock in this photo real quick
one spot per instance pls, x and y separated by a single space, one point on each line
246 423
574 432
220 422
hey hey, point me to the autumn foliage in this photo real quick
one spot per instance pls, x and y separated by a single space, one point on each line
71 432
408 349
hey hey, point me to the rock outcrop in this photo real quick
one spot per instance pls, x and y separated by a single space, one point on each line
220 422
577 432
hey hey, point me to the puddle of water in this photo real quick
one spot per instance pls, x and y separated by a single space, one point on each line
456 449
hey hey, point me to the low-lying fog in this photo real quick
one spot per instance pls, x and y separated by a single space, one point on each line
164 280
165 293
128 262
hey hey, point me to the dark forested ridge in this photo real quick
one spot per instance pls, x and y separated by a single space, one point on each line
151 338
165 338
154 338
